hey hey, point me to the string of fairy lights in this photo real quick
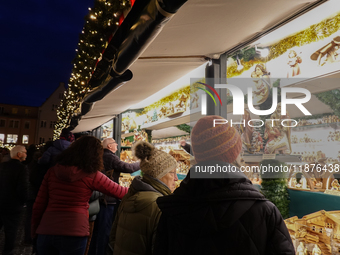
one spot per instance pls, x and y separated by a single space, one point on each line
100 24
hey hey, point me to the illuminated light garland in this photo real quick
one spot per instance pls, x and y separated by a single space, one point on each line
99 24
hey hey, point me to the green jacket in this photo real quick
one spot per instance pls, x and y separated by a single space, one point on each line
135 225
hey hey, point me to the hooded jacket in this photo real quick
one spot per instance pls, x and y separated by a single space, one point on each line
61 207
135 225
220 216
49 156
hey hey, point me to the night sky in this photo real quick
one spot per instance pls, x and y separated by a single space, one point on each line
38 42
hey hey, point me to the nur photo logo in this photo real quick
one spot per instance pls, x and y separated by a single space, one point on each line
204 97
238 102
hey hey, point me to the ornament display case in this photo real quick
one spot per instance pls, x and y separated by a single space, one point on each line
183 160
171 143
125 179
172 146
317 142
126 155
313 184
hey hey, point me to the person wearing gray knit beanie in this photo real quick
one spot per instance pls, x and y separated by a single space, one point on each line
156 163
138 214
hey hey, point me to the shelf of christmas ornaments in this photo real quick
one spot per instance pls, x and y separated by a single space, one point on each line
303 152
169 145
313 159
317 142
312 154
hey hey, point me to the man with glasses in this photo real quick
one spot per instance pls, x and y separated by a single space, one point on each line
13 195
113 166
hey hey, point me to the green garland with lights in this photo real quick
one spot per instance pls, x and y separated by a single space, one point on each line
185 128
275 189
100 23
332 99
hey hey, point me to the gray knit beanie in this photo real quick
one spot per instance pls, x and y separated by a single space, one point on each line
154 162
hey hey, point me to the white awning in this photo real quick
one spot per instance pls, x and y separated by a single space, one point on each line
201 28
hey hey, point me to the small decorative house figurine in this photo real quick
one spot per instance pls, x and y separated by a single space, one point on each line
316 233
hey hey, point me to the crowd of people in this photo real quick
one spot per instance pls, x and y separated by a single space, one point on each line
203 215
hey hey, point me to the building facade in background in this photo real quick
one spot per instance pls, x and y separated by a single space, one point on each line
25 125
18 124
48 115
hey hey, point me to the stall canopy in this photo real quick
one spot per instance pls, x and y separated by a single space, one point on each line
200 30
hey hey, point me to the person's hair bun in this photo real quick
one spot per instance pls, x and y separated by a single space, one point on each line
143 150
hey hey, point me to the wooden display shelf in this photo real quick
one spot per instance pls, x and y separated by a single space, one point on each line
180 155
175 114
334 125
185 117
248 158
299 189
127 134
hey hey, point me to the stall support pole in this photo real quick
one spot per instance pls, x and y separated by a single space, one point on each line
211 71
215 73
223 80
149 132
99 133
117 130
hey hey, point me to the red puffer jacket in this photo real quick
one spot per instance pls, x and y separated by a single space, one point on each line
61 207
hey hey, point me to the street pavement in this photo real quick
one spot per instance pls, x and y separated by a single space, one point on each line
20 248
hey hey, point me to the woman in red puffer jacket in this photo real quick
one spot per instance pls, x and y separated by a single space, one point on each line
60 219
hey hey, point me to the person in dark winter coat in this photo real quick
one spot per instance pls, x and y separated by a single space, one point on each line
36 174
113 166
31 162
186 146
59 145
134 229
13 195
60 218
219 213
5 155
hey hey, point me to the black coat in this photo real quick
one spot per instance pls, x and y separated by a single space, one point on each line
113 166
187 148
13 185
220 216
